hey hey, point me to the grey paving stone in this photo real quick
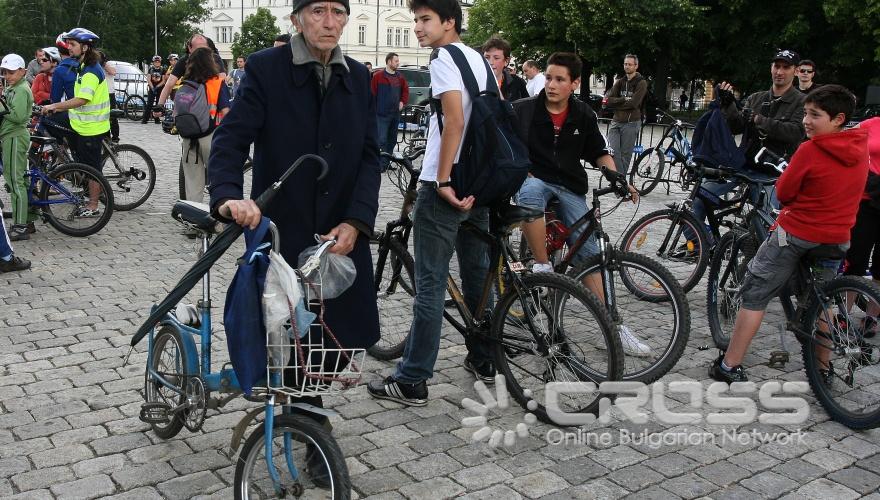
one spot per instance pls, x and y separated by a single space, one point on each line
82 435
390 418
145 475
856 447
13 465
434 443
19 448
617 457
435 465
89 487
379 481
598 489
100 465
497 492
431 489
190 485
671 464
538 484
525 463
61 456
689 486
825 488
116 444
393 435
754 461
41 428
388 456
33 495
857 479
769 484
722 473
42 478
635 477
204 460
652 493
138 494
829 460
481 476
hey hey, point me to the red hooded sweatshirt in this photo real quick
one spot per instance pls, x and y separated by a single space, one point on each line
821 189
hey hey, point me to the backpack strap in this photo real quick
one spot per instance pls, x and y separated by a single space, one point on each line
467 76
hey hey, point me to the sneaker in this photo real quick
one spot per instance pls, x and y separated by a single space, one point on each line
399 392
485 371
735 374
632 346
685 251
18 233
316 466
539 267
16 264
87 213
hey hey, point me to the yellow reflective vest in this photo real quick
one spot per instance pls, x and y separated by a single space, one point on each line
93 117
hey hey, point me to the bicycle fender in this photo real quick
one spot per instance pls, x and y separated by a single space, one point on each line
241 427
189 345
322 415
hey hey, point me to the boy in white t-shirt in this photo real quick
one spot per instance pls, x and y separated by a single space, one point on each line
439 212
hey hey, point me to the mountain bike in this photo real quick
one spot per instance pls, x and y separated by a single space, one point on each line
830 319
131 105
292 452
672 150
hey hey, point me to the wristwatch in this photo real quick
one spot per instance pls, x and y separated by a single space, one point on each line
438 185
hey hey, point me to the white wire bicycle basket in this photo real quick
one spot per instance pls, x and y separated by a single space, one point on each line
311 362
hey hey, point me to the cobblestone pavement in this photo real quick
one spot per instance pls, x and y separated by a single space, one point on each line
68 405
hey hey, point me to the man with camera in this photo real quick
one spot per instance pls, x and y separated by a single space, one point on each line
770 118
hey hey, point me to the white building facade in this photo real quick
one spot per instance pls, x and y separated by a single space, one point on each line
375 28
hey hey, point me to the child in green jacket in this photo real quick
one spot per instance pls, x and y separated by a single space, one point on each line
14 140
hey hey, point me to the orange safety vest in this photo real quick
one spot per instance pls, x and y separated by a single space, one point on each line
212 92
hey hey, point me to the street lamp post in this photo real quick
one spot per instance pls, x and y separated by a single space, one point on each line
378 2
155 26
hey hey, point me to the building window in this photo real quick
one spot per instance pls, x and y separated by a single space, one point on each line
224 34
390 36
406 37
397 37
362 34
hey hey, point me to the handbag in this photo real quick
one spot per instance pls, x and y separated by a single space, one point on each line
243 312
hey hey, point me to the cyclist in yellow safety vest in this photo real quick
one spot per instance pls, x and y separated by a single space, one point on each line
89 109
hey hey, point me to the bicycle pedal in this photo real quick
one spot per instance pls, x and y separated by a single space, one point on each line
155 413
778 359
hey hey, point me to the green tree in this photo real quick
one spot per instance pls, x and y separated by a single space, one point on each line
258 31
125 26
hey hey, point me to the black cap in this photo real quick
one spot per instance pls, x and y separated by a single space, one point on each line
789 56
299 4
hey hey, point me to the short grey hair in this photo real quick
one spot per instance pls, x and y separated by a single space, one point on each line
631 56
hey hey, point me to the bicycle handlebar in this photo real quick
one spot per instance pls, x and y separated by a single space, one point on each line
405 161
618 185
770 159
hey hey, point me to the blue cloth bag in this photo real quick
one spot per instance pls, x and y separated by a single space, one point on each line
243 313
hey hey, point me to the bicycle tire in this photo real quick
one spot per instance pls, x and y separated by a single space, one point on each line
652 286
303 431
153 392
75 178
839 291
640 238
649 168
724 283
124 174
513 341
395 295
134 107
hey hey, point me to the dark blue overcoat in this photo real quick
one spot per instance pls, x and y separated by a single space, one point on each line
283 112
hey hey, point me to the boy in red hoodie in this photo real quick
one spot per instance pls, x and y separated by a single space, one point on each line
819 192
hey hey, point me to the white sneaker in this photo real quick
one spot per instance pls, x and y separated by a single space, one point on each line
631 344
538 267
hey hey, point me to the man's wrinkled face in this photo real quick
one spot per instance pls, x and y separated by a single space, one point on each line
496 60
782 73
321 24
559 85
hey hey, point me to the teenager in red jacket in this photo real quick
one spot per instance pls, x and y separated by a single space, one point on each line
819 193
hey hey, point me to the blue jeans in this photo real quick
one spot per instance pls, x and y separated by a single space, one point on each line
5 244
719 189
436 237
387 135
535 193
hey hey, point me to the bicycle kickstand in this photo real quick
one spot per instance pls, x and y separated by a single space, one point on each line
778 359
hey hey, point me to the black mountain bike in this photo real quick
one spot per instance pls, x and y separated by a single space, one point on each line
673 150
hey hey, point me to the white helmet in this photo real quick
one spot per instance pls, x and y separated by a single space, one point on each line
53 53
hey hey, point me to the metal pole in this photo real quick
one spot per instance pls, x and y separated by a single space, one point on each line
155 27
377 33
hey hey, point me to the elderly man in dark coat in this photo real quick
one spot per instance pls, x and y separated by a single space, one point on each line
306 97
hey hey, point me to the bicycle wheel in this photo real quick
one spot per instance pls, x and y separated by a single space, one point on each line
169 360
548 328
134 108
675 239
395 294
68 195
850 392
131 174
646 172
307 441
726 274
652 306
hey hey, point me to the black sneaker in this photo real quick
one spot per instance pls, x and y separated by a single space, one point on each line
736 374
16 264
485 371
399 392
685 252
316 466
19 233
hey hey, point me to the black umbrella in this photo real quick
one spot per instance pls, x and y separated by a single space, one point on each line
215 250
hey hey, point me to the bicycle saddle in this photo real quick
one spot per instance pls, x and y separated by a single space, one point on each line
197 215
509 215
117 113
43 141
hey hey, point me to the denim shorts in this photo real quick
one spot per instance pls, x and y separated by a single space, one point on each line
535 193
774 265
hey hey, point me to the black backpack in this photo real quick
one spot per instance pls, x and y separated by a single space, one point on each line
494 162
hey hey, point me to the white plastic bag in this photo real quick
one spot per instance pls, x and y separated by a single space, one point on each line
281 294
335 274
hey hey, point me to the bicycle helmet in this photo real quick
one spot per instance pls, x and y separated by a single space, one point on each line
172 56
157 58
59 42
53 53
82 35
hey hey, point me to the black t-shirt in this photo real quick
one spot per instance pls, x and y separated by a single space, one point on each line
156 74
180 67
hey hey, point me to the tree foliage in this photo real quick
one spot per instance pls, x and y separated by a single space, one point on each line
258 31
682 40
125 26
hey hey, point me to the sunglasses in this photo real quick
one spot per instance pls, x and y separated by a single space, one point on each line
806 71
44 60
